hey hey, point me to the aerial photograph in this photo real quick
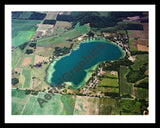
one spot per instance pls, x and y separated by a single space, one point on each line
80 63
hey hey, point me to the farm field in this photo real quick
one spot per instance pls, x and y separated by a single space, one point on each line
130 107
141 60
51 107
83 29
19 99
137 76
61 27
125 87
57 105
51 15
59 38
109 83
70 105
109 106
23 104
138 39
27 78
16 54
115 87
86 106
23 30
25 61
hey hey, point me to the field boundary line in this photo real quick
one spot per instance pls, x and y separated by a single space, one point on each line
25 105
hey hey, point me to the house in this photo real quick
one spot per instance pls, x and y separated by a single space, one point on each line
112 72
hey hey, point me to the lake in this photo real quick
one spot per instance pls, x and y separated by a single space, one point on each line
73 68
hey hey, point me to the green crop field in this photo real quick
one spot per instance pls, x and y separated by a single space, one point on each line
59 38
140 60
16 54
109 80
23 104
52 107
83 29
18 101
23 30
22 36
108 106
68 103
125 87
109 83
141 93
57 105
27 75
130 107
25 15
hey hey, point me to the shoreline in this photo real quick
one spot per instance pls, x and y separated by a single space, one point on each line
51 68
123 52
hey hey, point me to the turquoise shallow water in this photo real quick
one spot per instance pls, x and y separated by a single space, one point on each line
72 68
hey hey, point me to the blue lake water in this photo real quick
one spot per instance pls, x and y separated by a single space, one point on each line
73 67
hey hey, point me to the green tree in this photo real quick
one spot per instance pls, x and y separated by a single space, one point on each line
90 34
29 51
15 81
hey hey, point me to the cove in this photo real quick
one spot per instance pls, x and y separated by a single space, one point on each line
73 68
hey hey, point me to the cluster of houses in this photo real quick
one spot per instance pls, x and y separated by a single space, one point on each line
120 42
111 36
124 46
93 83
